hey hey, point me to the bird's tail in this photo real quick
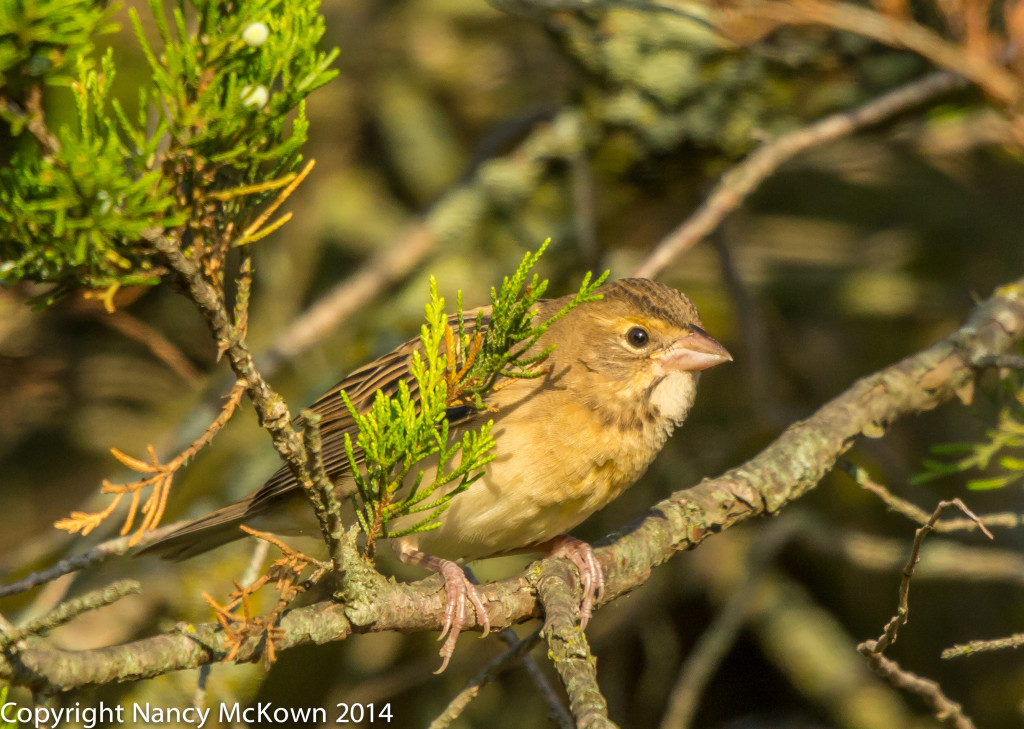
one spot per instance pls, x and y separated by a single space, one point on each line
203 534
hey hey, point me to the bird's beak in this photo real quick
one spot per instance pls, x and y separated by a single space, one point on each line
694 351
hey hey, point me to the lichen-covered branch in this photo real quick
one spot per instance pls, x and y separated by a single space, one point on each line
784 471
567 645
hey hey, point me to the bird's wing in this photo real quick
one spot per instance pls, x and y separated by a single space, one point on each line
361 386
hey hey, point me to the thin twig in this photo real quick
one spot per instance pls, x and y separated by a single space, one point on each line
917 514
100 553
37 121
487 674
164 350
739 182
981 646
68 610
557 711
945 709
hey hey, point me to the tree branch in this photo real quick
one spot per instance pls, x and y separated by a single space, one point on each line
568 648
784 471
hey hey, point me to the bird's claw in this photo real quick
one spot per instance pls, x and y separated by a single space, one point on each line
457 589
582 555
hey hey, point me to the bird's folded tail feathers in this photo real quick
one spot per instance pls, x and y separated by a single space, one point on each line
203 534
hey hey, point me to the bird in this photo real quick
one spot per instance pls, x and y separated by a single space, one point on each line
621 377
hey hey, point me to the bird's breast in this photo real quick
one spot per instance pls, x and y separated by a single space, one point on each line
553 468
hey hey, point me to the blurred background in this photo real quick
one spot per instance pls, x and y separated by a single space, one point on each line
603 130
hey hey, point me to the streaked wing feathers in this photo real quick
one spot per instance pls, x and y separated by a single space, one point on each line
361 386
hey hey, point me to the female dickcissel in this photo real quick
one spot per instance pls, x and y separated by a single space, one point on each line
621 377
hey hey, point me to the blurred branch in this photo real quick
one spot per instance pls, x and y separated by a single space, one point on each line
893 31
568 648
100 553
943 560
756 358
782 472
1009 361
945 709
68 610
713 645
738 183
385 268
161 347
805 641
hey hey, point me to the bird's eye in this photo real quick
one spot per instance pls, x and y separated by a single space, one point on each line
638 337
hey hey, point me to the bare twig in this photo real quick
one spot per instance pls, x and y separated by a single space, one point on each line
945 709
737 184
919 515
68 610
96 555
873 650
158 344
556 706
981 646
487 674
36 123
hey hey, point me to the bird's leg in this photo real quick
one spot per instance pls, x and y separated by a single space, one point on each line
582 555
457 589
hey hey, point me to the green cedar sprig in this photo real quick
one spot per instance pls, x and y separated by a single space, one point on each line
401 431
504 350
228 106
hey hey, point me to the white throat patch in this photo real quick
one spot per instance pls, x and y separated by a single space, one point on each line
674 395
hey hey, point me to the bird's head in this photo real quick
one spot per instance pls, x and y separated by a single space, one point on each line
642 344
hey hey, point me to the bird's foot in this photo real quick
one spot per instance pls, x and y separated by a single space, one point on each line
582 555
458 588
